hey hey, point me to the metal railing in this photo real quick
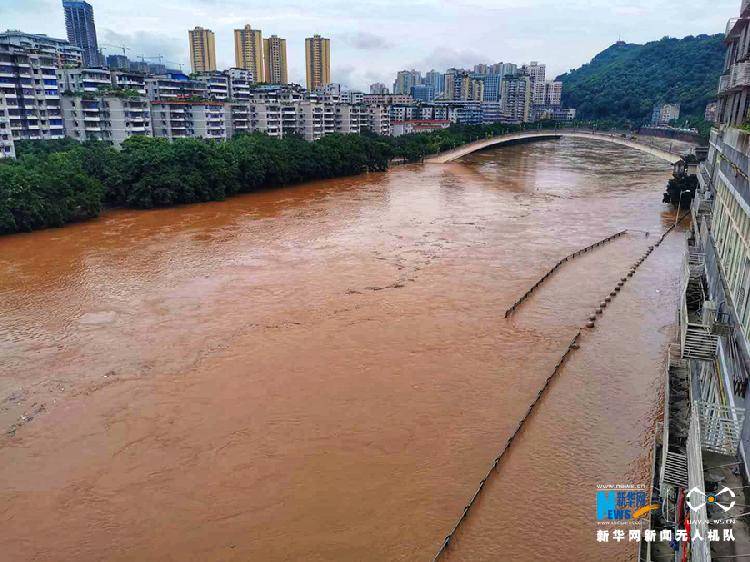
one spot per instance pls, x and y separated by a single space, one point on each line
720 427
700 549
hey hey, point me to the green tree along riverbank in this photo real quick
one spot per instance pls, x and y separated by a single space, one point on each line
56 182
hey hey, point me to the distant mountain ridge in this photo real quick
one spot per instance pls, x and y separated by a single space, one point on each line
626 80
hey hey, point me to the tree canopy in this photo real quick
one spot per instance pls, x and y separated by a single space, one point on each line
56 182
626 81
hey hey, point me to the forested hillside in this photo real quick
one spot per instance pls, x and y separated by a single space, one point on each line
626 80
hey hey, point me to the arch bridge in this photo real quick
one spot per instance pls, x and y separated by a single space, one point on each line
455 154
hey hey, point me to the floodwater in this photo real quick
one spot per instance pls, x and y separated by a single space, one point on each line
324 372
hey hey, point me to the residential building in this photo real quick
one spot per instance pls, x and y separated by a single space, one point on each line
88 80
106 117
535 71
174 87
7 145
387 99
317 62
538 91
463 86
546 102
28 84
734 99
126 80
216 85
265 117
240 83
515 99
436 80
481 69
379 88
352 96
66 55
492 112
202 43
274 60
248 51
422 92
315 119
418 126
377 119
79 23
503 69
664 113
406 80
706 435
492 87
349 118
189 119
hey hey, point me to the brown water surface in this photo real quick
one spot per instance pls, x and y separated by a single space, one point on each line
324 372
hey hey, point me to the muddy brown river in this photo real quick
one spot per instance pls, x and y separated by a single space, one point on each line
324 372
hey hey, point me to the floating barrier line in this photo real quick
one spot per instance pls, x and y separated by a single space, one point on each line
573 345
496 461
547 275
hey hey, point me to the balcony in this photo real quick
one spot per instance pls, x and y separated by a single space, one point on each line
698 340
720 427
730 26
676 421
701 207
740 76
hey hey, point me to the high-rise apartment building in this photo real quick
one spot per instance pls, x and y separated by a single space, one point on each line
406 80
436 80
248 51
535 71
79 23
274 60
378 88
317 61
423 92
31 93
515 99
202 50
7 145
460 85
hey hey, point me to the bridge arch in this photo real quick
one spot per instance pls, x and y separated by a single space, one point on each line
455 154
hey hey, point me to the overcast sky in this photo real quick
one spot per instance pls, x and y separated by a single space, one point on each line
372 39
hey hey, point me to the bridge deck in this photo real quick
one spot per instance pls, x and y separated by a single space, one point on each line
451 155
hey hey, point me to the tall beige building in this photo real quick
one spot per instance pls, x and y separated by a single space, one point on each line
202 50
274 58
248 51
317 61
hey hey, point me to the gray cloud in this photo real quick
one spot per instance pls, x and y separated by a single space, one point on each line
447 57
365 41
143 43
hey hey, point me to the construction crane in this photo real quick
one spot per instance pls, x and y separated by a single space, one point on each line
161 60
122 48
